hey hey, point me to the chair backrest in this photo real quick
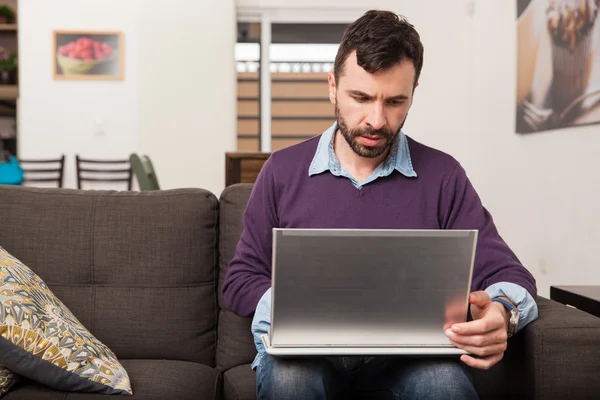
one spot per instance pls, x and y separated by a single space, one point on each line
94 170
43 170
144 172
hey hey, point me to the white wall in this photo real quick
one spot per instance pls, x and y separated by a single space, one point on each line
543 188
176 103
188 90
315 4
66 116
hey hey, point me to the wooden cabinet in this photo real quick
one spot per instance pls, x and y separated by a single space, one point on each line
243 167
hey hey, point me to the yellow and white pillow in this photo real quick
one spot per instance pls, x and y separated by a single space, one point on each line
42 340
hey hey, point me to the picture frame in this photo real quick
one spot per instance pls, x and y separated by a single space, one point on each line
558 68
88 55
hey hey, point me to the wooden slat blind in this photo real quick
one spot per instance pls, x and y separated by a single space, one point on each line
300 108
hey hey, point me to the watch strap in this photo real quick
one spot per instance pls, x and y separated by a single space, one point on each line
514 315
507 304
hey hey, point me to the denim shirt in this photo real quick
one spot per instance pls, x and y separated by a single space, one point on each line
326 160
398 160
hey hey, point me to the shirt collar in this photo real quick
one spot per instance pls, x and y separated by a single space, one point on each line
326 160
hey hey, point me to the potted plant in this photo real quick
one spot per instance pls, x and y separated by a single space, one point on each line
8 66
7 15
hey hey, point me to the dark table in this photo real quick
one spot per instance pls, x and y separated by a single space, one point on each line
584 298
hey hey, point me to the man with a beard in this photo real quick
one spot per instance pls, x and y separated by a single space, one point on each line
364 172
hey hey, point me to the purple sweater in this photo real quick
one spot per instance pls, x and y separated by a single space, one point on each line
284 196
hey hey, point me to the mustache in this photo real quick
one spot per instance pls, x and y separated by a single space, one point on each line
371 132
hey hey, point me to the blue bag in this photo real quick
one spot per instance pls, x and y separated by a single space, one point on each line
11 172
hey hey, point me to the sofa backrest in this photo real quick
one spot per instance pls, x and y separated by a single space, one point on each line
138 269
235 343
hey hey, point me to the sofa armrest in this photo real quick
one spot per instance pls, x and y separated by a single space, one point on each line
562 352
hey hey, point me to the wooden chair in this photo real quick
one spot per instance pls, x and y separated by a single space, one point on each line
144 172
94 170
43 170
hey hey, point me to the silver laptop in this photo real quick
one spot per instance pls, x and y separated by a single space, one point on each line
368 292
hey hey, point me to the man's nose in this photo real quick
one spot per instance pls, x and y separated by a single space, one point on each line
376 118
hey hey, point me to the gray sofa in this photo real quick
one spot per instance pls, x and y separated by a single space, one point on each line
143 271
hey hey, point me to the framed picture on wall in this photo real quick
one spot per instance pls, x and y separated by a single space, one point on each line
558 64
88 55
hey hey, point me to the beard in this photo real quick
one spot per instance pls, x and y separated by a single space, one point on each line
351 135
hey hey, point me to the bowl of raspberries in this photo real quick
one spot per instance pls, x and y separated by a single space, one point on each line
81 55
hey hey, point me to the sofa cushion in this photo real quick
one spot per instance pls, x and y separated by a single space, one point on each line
561 350
150 379
239 383
235 345
137 268
42 340
232 204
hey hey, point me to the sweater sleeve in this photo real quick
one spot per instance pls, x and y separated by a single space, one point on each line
461 208
249 272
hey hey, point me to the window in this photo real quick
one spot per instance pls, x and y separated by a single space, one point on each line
300 57
300 106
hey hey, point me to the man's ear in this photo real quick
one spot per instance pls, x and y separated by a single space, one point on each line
332 87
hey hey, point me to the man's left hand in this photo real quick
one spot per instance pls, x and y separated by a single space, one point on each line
485 336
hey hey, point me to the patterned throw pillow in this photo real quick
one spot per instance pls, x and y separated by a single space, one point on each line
42 340
7 379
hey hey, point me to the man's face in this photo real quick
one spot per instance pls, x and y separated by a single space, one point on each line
371 108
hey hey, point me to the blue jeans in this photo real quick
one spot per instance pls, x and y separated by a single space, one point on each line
314 378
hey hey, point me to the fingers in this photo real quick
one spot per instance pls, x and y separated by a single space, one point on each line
455 313
498 336
479 298
480 326
482 363
485 337
483 351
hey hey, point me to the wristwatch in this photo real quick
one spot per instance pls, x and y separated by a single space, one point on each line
513 323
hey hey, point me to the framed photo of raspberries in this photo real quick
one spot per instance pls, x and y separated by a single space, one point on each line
88 55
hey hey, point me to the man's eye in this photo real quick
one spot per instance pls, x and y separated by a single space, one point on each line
396 102
361 99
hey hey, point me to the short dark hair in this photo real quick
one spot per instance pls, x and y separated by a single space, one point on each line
381 40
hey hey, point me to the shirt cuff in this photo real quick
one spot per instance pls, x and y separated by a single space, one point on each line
261 323
528 310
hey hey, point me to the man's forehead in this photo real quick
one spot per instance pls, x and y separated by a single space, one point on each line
394 81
